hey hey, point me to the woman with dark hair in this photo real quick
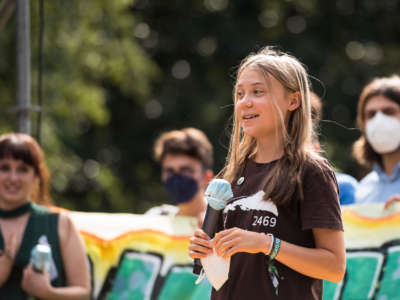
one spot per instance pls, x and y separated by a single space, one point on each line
26 220
378 117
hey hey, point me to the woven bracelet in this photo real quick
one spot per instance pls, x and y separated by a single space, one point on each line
275 249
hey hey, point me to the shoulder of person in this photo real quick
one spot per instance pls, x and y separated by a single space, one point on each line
163 210
346 178
321 193
64 217
316 166
66 225
40 209
371 177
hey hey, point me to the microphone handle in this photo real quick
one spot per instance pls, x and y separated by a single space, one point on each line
209 227
211 221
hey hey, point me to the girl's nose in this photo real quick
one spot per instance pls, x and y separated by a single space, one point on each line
13 175
248 102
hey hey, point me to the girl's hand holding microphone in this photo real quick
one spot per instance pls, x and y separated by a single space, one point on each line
218 192
233 240
228 242
200 244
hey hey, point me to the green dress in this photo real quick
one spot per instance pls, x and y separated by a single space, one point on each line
42 226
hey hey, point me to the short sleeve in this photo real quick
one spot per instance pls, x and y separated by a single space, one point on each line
320 207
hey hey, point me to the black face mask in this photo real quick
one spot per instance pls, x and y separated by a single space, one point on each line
181 188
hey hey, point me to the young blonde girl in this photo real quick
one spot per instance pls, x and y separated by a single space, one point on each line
282 229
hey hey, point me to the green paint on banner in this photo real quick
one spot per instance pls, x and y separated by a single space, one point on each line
331 289
135 277
363 270
180 284
390 284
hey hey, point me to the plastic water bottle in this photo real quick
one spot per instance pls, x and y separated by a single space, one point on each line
40 258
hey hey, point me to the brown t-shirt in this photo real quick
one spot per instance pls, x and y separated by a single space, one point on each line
249 276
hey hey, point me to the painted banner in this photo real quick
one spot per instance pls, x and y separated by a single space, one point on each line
139 257
372 236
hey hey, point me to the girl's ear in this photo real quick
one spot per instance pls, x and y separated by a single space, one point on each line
208 175
363 124
294 101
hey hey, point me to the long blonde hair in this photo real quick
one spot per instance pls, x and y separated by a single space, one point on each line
285 178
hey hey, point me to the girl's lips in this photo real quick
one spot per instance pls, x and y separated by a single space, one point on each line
11 189
249 117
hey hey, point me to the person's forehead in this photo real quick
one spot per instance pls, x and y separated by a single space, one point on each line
252 76
380 102
12 161
177 161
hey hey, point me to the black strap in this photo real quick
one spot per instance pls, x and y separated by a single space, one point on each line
6 214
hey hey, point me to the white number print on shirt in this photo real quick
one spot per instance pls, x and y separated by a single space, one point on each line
264 221
256 202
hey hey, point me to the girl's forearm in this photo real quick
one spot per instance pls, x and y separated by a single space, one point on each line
313 262
68 293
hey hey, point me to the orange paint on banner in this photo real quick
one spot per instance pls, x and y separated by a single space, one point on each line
355 219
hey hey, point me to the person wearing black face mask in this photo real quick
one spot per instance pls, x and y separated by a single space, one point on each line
186 159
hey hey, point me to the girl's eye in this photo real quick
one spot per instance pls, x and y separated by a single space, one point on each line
390 111
370 114
258 92
239 94
4 168
23 169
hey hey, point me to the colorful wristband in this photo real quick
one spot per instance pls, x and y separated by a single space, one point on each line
275 248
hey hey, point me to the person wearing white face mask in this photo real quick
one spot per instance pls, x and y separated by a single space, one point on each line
378 117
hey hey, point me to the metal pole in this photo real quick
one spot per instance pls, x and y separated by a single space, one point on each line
23 66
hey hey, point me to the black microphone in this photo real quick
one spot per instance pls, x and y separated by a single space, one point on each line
217 194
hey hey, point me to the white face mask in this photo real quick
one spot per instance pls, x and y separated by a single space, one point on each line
383 133
216 270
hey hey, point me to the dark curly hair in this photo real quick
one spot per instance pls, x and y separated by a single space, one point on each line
188 141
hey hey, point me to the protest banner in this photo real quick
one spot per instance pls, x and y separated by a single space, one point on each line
146 257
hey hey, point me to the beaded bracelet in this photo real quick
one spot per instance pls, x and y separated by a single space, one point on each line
275 249
268 252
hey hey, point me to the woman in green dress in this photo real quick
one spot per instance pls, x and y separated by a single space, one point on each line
26 220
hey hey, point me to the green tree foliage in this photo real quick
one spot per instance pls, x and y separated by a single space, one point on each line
89 48
118 73
343 43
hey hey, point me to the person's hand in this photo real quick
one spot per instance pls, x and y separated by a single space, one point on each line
391 200
200 244
36 284
231 241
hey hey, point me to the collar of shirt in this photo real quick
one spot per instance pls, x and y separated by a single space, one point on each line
384 177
